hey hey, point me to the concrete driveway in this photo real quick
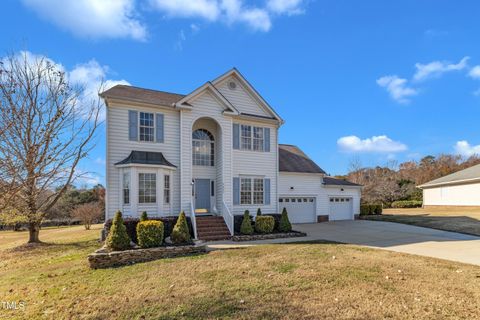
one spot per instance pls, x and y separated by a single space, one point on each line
399 237
383 235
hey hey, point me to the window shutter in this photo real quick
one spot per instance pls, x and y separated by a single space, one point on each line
160 128
132 125
236 136
266 139
236 191
266 191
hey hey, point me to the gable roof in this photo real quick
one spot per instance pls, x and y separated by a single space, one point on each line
146 157
471 174
136 94
292 159
330 181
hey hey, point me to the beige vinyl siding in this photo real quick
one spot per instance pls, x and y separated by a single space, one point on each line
453 195
119 147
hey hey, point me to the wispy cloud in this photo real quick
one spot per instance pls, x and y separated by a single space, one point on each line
289 7
437 68
397 88
92 19
465 149
375 144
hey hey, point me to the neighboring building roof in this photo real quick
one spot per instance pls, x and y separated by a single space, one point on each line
329 181
145 157
471 174
142 95
292 159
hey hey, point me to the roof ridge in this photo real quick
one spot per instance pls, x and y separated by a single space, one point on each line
148 89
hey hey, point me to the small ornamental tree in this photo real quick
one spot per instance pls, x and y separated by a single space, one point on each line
180 233
144 216
259 212
118 238
284 224
88 213
246 227
150 233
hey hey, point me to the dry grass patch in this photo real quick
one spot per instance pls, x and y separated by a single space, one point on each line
290 281
464 220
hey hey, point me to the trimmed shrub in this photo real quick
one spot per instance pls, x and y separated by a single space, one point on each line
407 204
118 238
285 225
144 216
364 209
180 233
377 209
259 212
246 227
371 209
264 224
237 222
168 224
150 233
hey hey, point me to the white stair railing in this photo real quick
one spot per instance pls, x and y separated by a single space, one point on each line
194 220
228 217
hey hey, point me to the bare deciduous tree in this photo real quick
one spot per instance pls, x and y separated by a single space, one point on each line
88 213
45 130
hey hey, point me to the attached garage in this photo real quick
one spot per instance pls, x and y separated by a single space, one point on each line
341 208
300 209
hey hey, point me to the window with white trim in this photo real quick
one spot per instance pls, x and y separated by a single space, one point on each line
166 189
147 188
126 187
203 148
251 138
147 126
251 191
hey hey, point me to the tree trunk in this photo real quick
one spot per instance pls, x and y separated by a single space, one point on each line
34 230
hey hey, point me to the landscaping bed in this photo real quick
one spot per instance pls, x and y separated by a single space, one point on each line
101 258
277 235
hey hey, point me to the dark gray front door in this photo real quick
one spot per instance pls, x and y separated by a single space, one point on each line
202 194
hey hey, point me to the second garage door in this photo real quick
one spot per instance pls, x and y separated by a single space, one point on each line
341 208
300 209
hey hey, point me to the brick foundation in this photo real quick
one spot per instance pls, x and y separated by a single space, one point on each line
323 218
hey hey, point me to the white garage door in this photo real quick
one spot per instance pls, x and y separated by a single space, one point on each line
300 209
341 208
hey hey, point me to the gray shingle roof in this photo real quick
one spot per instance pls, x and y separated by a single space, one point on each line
142 95
462 176
292 159
145 157
329 181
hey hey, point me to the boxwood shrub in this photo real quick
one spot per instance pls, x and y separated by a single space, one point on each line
246 227
407 204
264 224
371 209
150 233
180 233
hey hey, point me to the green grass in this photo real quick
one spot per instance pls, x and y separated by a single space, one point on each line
290 281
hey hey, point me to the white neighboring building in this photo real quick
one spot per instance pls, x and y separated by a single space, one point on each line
461 188
213 152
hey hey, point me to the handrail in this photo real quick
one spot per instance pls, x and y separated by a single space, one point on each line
228 217
194 220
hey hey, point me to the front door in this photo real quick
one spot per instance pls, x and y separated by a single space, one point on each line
202 194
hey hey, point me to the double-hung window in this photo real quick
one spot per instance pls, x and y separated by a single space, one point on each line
126 188
147 127
147 188
251 138
166 189
251 191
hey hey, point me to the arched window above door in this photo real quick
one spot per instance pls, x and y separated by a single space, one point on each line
203 148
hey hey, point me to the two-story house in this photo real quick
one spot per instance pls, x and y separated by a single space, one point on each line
213 152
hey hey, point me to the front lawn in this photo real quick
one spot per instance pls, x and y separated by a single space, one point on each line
291 281
464 220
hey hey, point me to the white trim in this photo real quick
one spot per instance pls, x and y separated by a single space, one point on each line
438 184
140 165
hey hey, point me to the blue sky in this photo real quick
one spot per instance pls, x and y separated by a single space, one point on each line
369 80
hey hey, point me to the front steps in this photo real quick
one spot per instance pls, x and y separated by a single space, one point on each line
212 228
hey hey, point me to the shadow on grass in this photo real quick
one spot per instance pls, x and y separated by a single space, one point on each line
32 247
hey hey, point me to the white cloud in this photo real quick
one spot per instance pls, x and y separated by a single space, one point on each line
100 161
91 18
379 144
437 68
474 72
289 7
465 149
257 19
207 9
397 88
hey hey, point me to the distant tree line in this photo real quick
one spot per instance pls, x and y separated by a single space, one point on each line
396 182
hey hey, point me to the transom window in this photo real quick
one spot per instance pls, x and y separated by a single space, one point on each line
147 188
147 127
166 190
126 188
203 149
251 138
251 191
